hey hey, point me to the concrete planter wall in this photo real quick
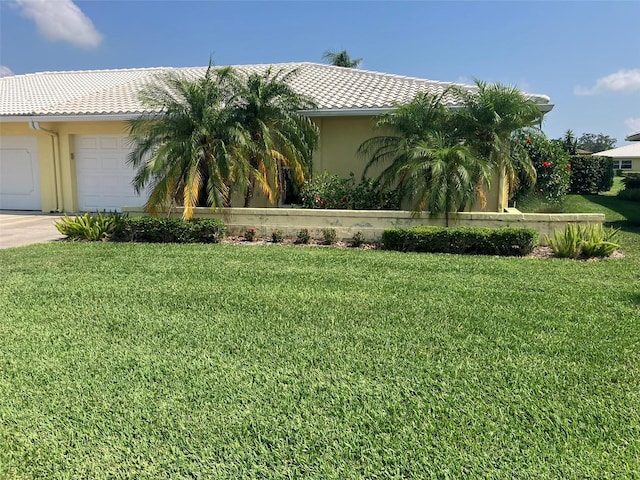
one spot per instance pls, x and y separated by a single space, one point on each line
373 222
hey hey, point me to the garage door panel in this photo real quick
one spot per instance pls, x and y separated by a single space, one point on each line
103 174
19 174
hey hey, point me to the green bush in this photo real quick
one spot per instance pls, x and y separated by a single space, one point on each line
277 236
578 241
334 192
591 174
461 240
329 236
303 236
357 240
100 226
630 194
169 230
631 180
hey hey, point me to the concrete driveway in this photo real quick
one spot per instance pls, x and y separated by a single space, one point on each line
24 228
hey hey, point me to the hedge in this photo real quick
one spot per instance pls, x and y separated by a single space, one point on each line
169 230
631 180
591 174
461 240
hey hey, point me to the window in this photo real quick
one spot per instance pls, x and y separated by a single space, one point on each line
622 164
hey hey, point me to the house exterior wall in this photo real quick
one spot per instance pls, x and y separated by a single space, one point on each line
635 163
339 140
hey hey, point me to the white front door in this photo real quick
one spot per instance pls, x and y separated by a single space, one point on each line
103 175
19 174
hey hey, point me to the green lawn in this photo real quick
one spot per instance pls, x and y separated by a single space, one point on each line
210 361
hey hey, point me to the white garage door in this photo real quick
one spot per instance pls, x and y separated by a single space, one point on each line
19 174
104 177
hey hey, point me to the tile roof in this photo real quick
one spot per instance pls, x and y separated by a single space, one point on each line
115 92
631 150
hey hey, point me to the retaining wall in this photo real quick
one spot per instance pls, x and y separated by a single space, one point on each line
373 222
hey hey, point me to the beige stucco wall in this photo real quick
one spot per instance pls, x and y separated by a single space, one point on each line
372 223
339 140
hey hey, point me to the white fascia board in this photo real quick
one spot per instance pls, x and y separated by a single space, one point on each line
362 112
345 112
120 117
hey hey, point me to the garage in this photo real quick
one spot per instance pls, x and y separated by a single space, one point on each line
103 175
19 174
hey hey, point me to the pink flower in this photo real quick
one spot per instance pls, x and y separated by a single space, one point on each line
568 166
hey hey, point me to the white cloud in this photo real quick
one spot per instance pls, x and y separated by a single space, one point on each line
61 20
623 81
633 124
5 71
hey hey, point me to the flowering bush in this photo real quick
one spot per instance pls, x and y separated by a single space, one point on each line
552 167
250 235
334 192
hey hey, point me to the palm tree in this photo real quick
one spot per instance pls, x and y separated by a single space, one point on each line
341 59
222 133
189 150
280 137
488 121
427 162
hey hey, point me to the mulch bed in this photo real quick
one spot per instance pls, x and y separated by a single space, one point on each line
540 252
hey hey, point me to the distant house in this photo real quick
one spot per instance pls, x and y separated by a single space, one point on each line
63 136
633 137
625 158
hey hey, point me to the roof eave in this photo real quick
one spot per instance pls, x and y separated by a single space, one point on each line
92 117
122 117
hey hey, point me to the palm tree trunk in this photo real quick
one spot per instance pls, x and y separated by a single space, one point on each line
249 193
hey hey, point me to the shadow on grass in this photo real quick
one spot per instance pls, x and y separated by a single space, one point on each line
629 210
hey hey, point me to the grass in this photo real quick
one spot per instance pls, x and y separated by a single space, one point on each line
191 361
620 214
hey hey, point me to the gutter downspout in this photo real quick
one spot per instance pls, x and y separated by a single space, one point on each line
55 145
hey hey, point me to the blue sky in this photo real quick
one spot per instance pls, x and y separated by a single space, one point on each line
585 55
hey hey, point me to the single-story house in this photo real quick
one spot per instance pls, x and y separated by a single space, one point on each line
624 158
63 136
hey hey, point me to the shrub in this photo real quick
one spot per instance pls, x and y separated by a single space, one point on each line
329 236
277 236
169 230
631 180
552 167
303 236
100 226
630 194
565 244
250 235
591 174
577 241
334 192
461 240
357 240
